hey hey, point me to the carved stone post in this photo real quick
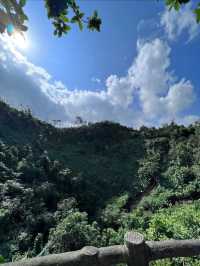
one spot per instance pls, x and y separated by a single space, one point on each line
137 252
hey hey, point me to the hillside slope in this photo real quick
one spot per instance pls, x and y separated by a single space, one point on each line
112 149
62 189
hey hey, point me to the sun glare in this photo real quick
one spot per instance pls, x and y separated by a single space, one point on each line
19 40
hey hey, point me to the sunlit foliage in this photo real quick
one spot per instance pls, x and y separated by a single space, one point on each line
146 180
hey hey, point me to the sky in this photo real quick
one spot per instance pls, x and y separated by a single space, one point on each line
141 69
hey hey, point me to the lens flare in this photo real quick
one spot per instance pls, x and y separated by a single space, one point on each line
10 28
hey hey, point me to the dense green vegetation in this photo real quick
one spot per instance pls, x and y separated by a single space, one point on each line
62 189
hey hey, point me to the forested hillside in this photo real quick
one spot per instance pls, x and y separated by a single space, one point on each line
62 189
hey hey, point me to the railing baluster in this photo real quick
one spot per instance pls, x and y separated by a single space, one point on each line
137 250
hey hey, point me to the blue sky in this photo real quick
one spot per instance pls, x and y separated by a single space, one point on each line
89 54
140 69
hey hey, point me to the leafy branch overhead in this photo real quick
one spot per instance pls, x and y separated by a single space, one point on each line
63 14
11 11
58 12
176 4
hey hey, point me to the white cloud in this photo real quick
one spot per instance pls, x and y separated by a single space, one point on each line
179 97
96 80
23 83
175 23
148 94
149 74
160 96
120 90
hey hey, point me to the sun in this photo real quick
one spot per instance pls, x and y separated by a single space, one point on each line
14 37
19 40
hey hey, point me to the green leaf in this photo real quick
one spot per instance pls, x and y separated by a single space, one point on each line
64 18
197 12
94 22
173 4
66 28
95 14
22 3
23 17
176 6
81 15
80 24
75 19
2 260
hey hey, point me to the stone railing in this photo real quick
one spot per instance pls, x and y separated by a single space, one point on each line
135 252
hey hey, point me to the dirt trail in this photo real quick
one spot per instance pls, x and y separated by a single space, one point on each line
195 195
134 202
